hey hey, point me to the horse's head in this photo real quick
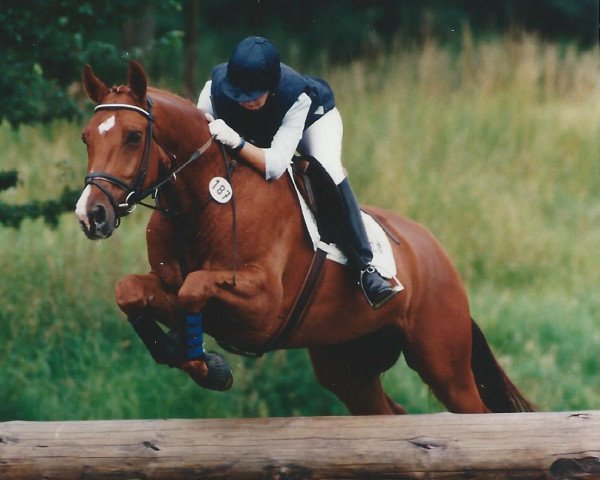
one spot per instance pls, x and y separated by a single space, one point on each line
123 158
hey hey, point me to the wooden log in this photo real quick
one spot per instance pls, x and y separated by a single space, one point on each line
537 446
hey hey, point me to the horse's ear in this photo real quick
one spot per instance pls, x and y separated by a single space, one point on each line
94 87
137 80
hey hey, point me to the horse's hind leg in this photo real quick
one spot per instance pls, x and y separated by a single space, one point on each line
352 372
438 348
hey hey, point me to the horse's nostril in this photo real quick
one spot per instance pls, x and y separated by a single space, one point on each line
99 215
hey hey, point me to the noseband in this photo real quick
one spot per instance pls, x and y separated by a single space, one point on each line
135 194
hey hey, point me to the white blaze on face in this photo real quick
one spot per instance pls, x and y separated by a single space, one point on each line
106 125
81 207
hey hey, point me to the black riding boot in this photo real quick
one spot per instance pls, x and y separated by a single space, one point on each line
355 244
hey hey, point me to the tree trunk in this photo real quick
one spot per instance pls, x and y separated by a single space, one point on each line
191 12
540 446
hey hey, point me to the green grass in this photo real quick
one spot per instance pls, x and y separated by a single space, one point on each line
494 148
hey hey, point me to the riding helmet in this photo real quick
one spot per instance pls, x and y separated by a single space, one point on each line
252 70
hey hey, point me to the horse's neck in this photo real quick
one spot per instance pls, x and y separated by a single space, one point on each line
180 126
181 129
262 209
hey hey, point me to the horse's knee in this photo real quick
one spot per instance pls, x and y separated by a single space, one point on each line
194 292
131 295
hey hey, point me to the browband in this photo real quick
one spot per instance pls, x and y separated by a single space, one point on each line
122 106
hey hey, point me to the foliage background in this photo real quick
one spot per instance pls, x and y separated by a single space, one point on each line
45 42
479 121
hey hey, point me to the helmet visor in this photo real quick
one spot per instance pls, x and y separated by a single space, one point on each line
253 69
239 94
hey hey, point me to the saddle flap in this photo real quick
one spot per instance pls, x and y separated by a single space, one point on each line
322 208
320 194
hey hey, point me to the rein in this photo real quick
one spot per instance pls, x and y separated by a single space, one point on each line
135 195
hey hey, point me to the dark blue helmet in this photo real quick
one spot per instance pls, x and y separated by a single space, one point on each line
252 70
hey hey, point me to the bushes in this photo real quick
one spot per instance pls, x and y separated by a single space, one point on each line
49 210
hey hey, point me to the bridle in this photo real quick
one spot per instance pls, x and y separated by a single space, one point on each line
135 194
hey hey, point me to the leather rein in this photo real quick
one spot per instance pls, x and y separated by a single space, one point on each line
135 194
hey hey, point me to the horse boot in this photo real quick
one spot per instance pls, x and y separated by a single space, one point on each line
163 347
208 369
357 248
184 350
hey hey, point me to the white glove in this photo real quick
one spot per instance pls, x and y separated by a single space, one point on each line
225 134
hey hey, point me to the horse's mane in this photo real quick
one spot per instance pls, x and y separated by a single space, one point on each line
170 97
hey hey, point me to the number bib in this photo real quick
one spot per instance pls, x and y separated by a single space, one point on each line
220 189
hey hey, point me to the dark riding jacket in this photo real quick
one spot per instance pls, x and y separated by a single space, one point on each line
260 126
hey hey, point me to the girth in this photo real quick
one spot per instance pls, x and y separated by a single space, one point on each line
303 299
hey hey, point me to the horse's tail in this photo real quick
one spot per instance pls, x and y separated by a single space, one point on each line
497 391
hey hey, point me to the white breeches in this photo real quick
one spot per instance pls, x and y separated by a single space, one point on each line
323 140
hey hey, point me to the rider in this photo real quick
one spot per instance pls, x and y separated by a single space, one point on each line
266 111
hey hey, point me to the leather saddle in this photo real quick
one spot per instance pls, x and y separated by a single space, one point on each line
321 195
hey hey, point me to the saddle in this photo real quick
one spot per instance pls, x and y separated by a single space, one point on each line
324 216
321 196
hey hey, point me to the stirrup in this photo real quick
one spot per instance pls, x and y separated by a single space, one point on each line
391 292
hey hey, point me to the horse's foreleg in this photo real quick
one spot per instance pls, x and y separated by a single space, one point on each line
255 296
144 300
144 295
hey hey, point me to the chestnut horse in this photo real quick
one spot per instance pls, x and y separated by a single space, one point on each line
242 262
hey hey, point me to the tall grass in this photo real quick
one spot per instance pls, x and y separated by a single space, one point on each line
496 150
494 147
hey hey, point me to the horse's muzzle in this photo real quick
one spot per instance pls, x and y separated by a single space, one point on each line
96 219
98 226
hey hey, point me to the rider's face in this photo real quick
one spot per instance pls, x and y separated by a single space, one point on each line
257 103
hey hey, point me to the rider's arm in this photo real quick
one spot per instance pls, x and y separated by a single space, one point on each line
284 144
272 161
204 101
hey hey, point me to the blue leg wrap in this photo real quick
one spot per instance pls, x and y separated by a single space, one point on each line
195 337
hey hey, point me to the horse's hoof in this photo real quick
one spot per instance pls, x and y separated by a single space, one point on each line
219 376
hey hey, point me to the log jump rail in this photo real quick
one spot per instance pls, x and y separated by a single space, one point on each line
556 446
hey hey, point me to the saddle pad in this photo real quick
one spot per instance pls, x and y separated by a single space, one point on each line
383 258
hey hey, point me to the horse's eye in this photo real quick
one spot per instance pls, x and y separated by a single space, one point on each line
133 138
